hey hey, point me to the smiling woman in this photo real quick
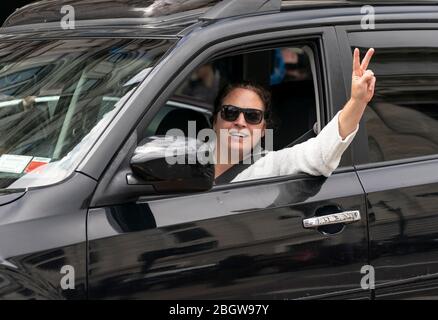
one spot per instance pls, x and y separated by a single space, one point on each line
317 156
240 119
265 114
255 137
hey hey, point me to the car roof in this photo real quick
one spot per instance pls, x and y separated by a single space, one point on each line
160 17
157 14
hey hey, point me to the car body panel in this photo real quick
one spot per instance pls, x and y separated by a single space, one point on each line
401 194
40 233
241 241
214 246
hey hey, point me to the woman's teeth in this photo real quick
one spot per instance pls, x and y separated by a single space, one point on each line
238 134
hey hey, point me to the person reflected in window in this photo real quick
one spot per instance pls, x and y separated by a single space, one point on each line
296 65
242 110
204 84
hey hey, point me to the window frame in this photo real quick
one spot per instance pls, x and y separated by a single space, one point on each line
332 99
318 74
309 47
360 144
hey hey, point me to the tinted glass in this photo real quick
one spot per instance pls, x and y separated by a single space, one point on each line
56 96
402 119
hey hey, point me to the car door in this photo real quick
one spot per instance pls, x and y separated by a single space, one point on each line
240 240
396 156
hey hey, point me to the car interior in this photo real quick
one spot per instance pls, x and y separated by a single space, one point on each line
286 72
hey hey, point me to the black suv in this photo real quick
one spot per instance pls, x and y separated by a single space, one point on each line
89 209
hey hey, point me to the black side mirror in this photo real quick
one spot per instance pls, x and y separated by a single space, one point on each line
173 164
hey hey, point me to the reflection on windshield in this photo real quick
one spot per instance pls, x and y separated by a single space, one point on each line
154 12
57 96
53 172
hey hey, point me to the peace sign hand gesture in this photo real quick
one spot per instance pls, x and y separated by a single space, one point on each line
362 90
363 80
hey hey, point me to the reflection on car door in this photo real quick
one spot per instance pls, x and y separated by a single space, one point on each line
238 241
399 172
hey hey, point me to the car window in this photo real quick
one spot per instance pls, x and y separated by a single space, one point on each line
56 97
175 114
286 72
402 119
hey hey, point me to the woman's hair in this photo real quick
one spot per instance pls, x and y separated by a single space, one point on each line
263 94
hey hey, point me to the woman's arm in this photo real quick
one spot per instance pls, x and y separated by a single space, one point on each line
321 155
317 156
362 90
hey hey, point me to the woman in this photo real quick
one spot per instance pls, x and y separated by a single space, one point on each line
240 120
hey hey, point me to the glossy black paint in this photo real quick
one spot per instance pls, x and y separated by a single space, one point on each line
40 232
10 195
401 194
245 241
155 11
403 211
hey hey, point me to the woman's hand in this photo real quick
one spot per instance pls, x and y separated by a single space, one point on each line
363 83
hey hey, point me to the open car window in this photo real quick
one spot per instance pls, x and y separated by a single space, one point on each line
287 72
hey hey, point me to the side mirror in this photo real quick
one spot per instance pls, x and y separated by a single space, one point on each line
173 164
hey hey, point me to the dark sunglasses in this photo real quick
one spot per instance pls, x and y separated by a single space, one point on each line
231 113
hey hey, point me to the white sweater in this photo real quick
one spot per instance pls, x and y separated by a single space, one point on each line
317 156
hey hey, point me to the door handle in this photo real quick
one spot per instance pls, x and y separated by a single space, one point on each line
335 218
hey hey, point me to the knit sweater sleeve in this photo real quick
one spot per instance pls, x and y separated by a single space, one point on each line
317 156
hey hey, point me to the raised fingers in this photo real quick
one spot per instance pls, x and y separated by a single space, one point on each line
366 60
372 85
356 62
367 76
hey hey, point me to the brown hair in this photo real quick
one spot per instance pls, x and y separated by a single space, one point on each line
263 94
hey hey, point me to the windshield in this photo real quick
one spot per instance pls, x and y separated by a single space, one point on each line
56 97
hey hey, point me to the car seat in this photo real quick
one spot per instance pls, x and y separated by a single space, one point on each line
179 119
294 109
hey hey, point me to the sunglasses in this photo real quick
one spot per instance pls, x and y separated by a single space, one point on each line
231 113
